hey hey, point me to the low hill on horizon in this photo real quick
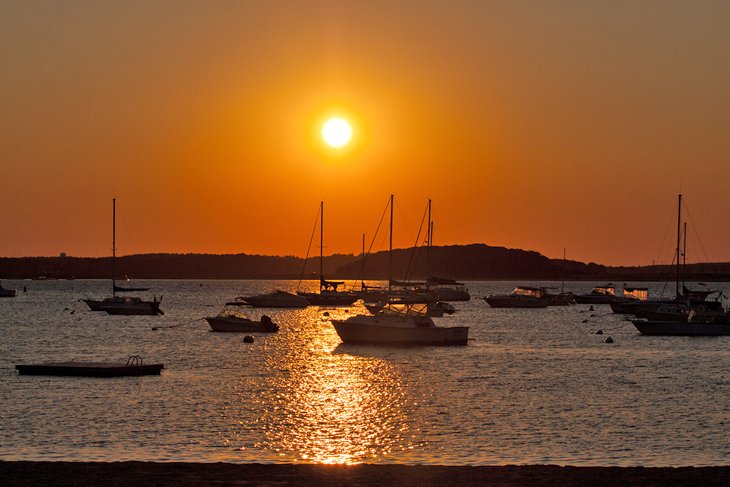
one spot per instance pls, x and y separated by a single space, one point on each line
464 262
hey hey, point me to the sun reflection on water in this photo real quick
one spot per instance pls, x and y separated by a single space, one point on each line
332 406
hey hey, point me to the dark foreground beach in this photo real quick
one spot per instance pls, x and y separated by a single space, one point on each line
219 474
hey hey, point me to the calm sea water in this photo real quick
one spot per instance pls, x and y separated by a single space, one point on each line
532 386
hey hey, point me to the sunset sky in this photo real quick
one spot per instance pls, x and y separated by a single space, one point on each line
530 124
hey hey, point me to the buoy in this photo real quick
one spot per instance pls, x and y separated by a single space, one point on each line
154 328
72 311
599 332
609 340
591 308
326 313
584 321
248 339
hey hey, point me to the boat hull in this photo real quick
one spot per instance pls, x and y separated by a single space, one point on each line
448 294
238 326
7 293
515 302
594 299
329 299
365 334
679 328
267 302
144 308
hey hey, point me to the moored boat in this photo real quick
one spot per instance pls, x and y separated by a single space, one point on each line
399 324
599 295
520 297
275 299
232 321
118 305
718 325
6 293
329 294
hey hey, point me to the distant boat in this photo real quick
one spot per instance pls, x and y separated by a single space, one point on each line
520 297
399 324
6 293
599 295
122 305
275 299
328 294
231 321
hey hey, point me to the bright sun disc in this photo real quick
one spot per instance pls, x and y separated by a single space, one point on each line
336 132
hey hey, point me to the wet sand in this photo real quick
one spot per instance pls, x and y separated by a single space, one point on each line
183 474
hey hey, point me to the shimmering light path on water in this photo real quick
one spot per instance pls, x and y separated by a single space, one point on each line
532 386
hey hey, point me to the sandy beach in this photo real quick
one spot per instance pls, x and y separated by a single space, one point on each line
178 474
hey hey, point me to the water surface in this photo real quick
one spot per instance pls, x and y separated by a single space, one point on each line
532 386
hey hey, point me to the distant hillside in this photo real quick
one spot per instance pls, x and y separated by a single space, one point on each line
465 262
476 261
170 266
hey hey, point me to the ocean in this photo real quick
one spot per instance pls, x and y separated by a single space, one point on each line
533 386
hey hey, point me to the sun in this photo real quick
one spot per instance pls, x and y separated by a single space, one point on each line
336 132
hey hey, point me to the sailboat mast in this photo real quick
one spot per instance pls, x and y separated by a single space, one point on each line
684 255
562 283
679 236
321 242
390 247
428 240
114 247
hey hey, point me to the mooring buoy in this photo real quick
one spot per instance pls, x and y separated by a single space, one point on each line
248 339
609 340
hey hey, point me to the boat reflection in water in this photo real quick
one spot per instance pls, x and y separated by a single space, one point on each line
327 405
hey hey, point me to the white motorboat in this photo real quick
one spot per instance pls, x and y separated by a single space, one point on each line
232 320
520 297
399 324
275 299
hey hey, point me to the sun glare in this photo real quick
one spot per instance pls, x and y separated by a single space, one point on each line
336 132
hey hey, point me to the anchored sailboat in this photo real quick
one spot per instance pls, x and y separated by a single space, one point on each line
328 294
122 305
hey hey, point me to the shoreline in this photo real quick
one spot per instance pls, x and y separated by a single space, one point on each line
112 474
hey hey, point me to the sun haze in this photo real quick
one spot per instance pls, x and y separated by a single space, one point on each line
533 125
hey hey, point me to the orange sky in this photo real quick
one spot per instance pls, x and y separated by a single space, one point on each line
535 125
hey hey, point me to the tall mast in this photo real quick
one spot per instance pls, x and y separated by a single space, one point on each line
562 284
321 242
390 247
684 255
429 240
114 246
363 246
679 236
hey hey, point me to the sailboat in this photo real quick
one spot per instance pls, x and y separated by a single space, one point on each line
696 319
446 289
122 305
406 292
328 294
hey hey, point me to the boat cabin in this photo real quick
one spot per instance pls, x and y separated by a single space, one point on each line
533 292
607 290
636 293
